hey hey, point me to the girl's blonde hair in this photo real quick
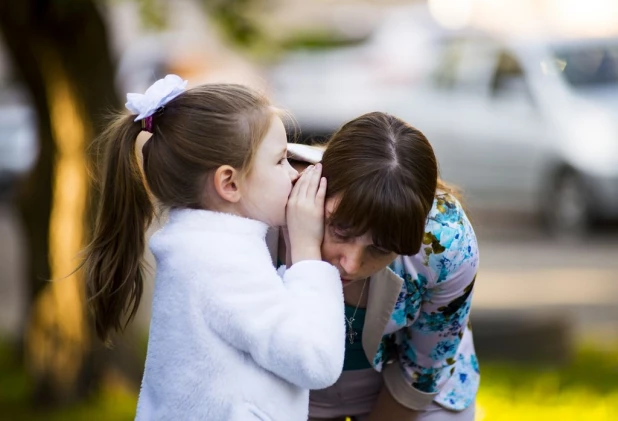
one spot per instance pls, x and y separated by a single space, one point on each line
195 133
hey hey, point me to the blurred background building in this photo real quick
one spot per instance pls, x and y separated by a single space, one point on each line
518 97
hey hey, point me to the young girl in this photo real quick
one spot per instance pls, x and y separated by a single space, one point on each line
229 339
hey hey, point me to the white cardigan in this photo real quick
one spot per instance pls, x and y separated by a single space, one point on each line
229 339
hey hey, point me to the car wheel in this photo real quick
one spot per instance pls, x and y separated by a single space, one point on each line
567 211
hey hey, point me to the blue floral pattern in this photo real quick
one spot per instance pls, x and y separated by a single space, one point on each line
432 338
444 349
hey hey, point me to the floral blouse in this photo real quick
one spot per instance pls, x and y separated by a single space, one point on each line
429 333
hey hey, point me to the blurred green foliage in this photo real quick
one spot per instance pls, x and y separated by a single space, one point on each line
111 403
318 40
585 389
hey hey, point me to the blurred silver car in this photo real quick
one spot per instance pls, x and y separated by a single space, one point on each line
522 126
525 125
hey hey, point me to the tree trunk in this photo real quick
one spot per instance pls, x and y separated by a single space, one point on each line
60 50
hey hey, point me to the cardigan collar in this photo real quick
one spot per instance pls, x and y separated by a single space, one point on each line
384 289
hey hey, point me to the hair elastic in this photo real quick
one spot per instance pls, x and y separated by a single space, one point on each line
147 124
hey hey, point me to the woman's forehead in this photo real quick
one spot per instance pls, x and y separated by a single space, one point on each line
365 240
331 205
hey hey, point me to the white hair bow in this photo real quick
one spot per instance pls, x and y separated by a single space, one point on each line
160 93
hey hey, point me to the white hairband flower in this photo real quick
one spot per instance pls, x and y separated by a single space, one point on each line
160 93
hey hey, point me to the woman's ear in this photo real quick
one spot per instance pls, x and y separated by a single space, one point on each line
226 182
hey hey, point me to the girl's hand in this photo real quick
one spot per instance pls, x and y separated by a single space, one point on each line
305 215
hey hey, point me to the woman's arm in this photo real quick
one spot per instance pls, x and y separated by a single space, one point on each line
388 409
428 349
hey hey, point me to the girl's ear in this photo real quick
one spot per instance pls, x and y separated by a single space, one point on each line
226 182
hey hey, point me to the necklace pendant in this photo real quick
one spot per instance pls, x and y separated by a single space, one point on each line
351 333
351 336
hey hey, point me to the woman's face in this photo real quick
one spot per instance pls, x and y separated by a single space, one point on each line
356 257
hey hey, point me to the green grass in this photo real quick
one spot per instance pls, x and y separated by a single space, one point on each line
585 389
116 404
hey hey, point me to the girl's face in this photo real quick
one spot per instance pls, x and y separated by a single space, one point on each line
268 185
356 257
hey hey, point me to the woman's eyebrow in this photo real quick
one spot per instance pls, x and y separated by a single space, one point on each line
342 231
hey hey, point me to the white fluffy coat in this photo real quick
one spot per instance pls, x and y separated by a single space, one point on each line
229 339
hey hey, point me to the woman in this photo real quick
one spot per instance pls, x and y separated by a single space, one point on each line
408 257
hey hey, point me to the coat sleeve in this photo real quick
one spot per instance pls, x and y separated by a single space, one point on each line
427 351
293 327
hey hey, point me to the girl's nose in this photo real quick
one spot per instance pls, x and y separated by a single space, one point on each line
293 173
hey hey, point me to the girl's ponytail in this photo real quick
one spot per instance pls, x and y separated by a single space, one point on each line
188 127
113 263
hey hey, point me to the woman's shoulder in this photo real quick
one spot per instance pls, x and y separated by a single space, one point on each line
449 239
447 217
446 210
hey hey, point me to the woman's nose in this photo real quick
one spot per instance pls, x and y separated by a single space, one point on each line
351 261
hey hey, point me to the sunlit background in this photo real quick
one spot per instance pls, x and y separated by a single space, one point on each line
518 97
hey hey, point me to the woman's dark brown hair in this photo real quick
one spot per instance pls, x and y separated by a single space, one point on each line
384 174
196 132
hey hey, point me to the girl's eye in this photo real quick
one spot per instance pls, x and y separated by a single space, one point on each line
285 158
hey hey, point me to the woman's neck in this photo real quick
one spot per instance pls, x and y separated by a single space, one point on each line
355 295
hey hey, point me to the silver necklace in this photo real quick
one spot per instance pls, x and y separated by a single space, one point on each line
351 332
